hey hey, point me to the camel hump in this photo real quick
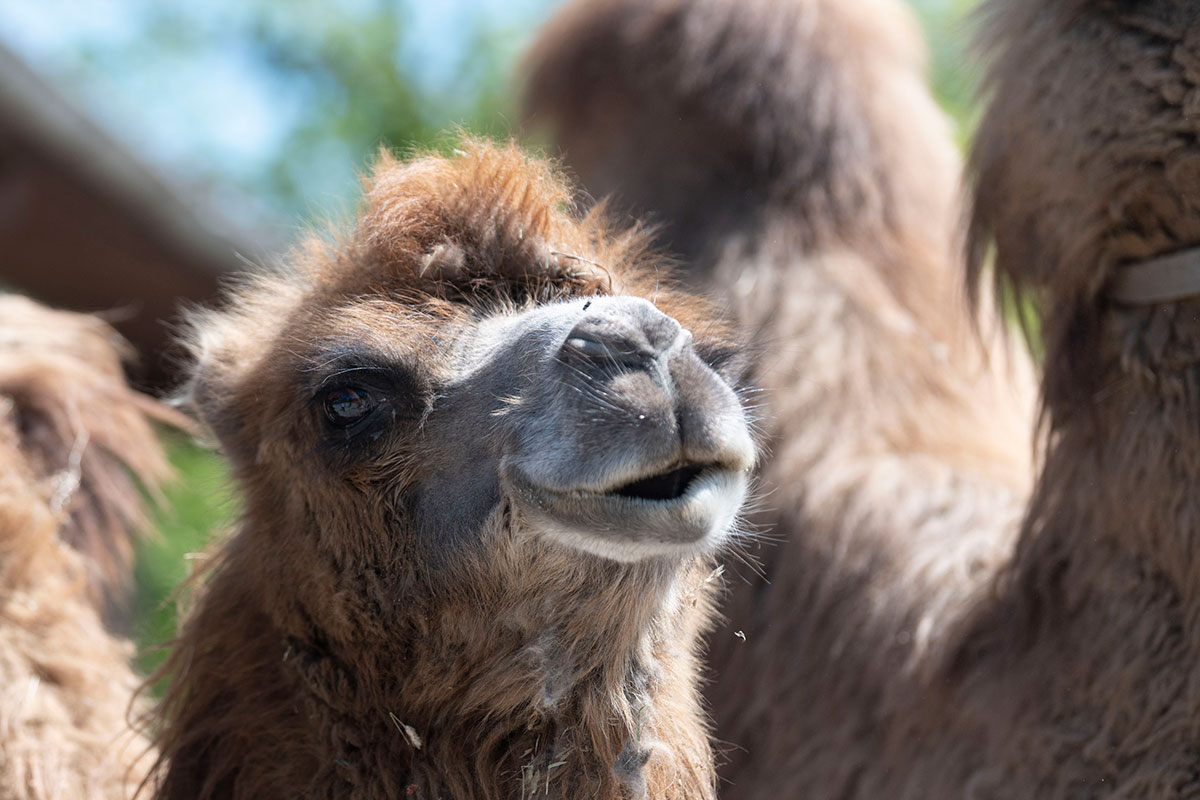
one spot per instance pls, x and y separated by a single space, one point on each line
700 115
753 71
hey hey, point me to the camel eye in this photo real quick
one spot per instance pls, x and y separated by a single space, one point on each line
348 405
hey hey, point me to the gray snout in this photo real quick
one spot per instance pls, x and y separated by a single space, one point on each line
711 423
633 447
641 399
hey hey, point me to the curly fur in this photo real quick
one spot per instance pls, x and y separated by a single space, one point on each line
76 445
331 656
792 152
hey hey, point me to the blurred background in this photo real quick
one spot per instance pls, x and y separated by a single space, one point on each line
186 140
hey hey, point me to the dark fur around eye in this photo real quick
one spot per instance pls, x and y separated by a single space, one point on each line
355 404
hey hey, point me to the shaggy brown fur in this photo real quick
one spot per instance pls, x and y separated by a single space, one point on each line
81 425
344 648
792 151
75 443
1088 159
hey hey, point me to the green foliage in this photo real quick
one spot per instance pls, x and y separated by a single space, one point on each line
362 93
271 108
198 503
948 30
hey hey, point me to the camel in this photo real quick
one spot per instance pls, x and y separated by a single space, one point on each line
925 651
486 451
76 450
1083 168
792 154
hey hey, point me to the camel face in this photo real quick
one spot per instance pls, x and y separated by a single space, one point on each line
596 418
444 387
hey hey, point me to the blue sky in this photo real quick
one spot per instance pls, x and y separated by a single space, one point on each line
213 116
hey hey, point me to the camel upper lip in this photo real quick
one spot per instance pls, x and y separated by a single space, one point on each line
659 486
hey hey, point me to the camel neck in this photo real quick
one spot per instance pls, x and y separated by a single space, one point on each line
493 701
579 675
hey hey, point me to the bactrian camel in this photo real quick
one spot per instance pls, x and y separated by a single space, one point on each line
487 452
77 448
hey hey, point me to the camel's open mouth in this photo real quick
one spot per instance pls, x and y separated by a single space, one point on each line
663 486
680 512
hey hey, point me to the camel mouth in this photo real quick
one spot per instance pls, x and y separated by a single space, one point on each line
680 512
664 486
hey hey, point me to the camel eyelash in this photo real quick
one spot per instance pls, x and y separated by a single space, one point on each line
352 369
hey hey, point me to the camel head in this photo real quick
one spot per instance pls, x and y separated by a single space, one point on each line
484 446
477 368
1087 164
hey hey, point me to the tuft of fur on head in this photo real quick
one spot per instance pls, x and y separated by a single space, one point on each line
490 224
86 435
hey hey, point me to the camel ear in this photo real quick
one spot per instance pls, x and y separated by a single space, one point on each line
208 396
205 400
228 346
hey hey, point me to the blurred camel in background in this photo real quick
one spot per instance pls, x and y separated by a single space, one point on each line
77 449
793 155
912 643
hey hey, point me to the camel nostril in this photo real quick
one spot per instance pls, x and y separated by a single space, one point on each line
621 352
590 348
623 331
609 341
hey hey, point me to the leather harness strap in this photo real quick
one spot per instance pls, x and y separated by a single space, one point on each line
1175 276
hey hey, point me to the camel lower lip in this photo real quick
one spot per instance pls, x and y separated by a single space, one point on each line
621 527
